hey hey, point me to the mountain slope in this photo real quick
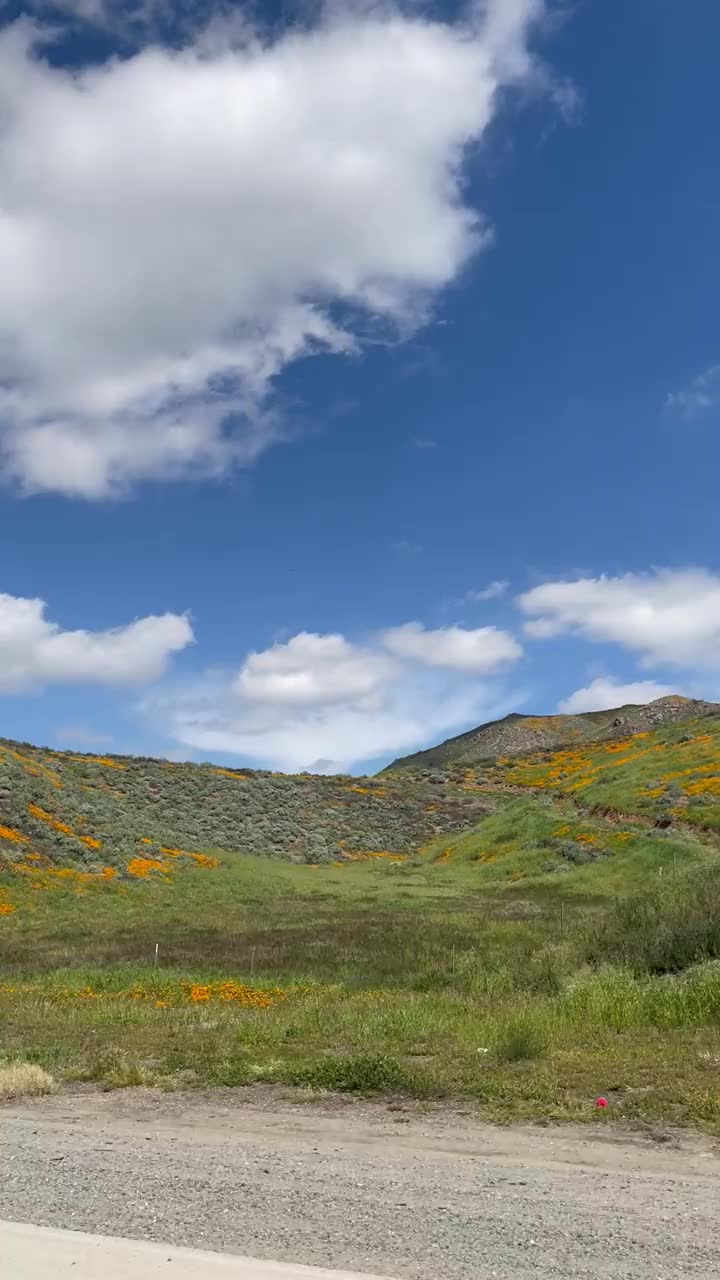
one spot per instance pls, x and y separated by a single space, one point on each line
597 818
519 734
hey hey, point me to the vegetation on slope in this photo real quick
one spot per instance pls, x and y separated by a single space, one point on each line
671 775
518 734
543 845
112 813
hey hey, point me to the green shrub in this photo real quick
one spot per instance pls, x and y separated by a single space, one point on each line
360 1073
522 1039
664 929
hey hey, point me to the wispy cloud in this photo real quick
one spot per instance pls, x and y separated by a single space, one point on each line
405 547
476 595
700 395
490 592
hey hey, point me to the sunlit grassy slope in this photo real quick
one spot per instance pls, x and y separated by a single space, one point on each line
672 774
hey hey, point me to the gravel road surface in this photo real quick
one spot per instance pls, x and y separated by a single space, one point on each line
390 1189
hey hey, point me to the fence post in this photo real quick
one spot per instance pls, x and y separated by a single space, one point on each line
562 919
157 949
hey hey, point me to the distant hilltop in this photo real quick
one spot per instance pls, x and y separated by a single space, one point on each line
518 734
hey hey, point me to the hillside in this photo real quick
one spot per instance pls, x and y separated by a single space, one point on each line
118 812
518 734
528 934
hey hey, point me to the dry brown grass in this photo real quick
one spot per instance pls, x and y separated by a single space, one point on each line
24 1080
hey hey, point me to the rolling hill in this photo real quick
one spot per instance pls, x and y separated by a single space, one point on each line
505 788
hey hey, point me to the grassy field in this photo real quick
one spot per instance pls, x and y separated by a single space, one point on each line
553 952
367 976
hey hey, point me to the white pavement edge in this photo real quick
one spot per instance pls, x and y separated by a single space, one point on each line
43 1253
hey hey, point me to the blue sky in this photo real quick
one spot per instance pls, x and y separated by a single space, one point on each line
359 377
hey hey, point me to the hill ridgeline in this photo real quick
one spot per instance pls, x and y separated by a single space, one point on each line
518 735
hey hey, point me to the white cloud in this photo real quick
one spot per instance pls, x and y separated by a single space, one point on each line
605 693
35 652
312 670
454 648
670 616
319 701
490 592
701 394
178 225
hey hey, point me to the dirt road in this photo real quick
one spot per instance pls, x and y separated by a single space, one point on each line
364 1187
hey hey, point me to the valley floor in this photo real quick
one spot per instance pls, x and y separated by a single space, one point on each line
398 1188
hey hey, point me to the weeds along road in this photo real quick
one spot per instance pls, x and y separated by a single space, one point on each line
390 1189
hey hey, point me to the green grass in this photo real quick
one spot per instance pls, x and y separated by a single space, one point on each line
418 980
541 843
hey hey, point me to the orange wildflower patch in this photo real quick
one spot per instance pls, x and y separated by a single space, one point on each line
43 875
48 819
143 867
33 766
366 855
105 761
161 995
204 860
232 992
6 908
703 787
8 833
